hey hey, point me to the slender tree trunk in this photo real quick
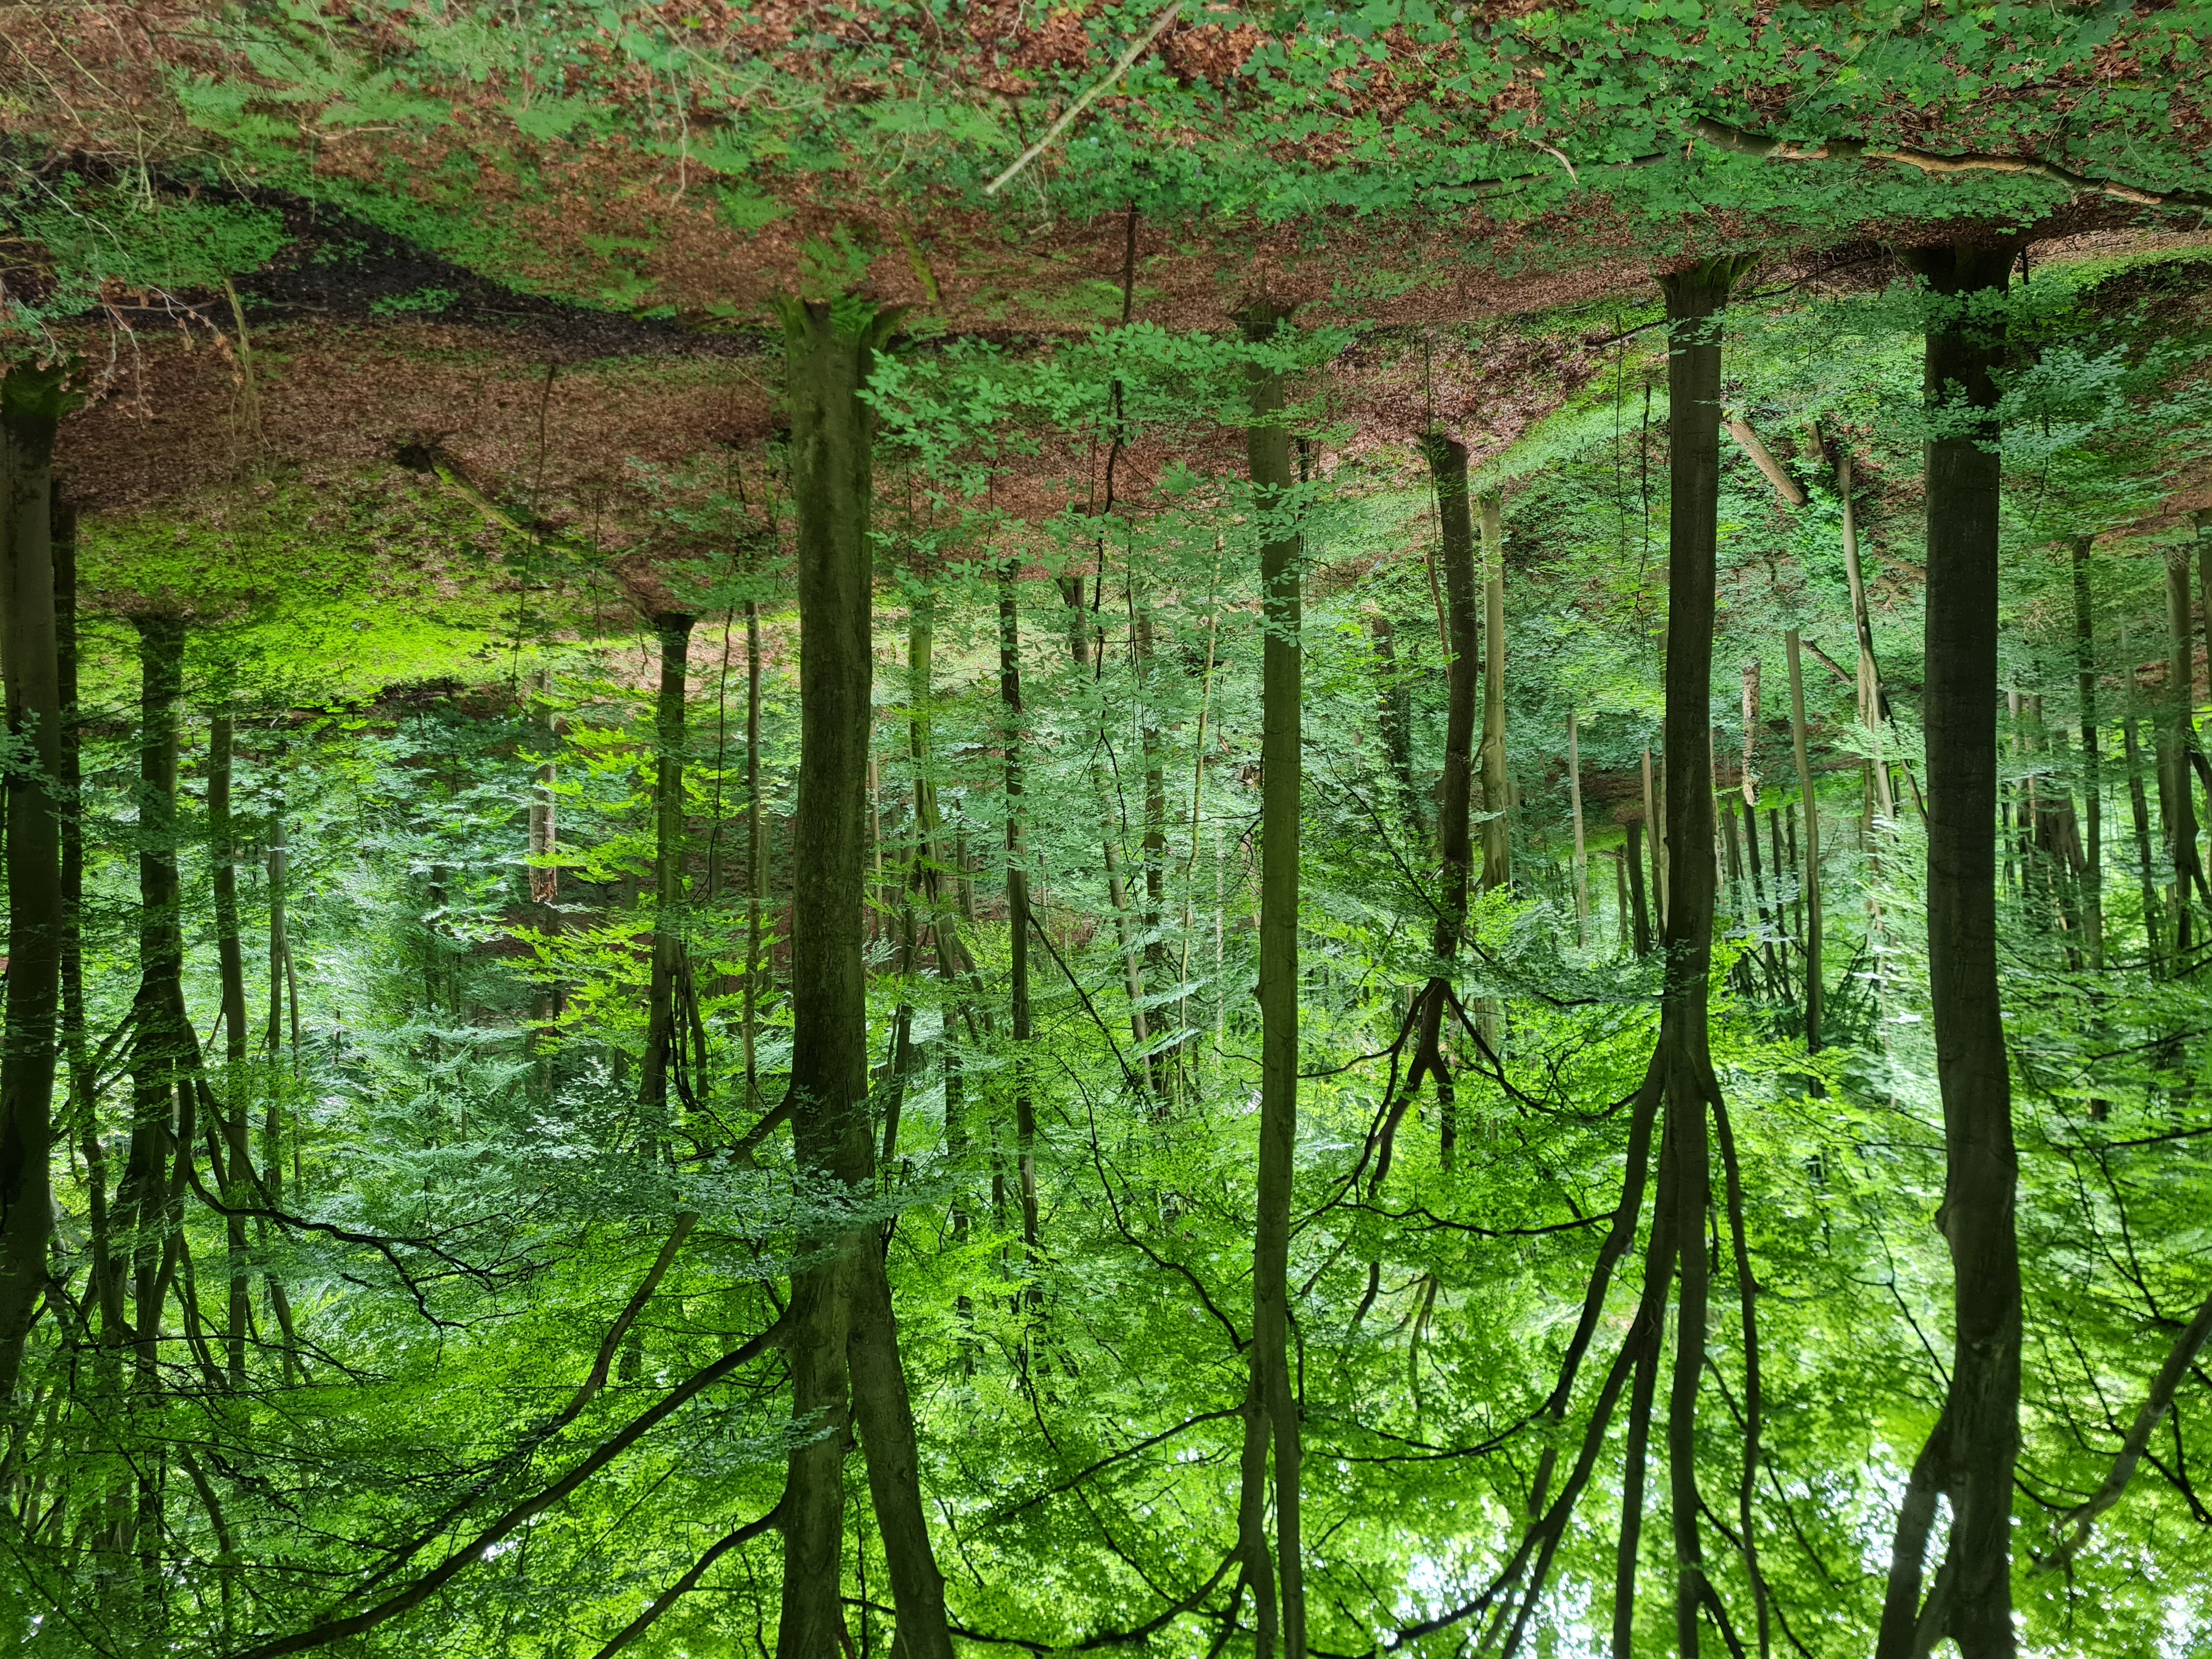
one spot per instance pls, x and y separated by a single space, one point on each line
1581 855
1809 883
841 1318
31 406
1981 1166
1018 917
1869 675
1281 553
663 1038
1634 861
2093 783
230 962
1156 793
2177 737
1496 857
756 855
2139 805
1653 832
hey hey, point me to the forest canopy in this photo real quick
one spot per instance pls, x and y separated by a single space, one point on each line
957 828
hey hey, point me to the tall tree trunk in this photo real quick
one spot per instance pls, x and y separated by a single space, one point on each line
1447 459
1496 859
1581 855
1156 793
840 1319
664 1037
2093 784
230 962
1870 697
545 840
1281 758
1017 916
2139 805
1809 884
756 855
31 406
2177 737
1653 833
1695 299
1634 859
1982 1167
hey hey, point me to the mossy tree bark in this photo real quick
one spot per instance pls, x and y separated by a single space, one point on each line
1981 1420
841 1321
1272 1409
31 407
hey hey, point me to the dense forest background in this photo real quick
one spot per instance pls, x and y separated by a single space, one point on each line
844 831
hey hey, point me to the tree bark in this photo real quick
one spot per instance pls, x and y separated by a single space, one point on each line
2092 785
1496 857
664 1037
2139 806
756 855
2177 737
1695 299
1869 674
1634 861
1581 855
842 1317
31 406
1810 883
1447 459
1981 1166
1281 758
1018 918
230 962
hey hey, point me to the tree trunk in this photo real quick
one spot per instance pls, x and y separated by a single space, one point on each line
1809 883
1018 918
1982 1167
2092 786
2139 805
1281 553
31 406
664 1037
1447 461
1581 855
1156 795
841 1317
1869 675
755 854
230 961
1634 861
1497 858
1651 829
1695 299
2177 737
